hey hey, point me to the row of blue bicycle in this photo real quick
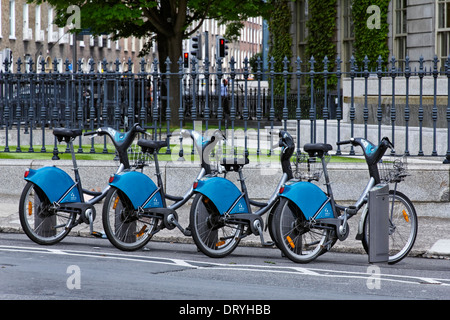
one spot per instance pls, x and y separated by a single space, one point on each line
303 220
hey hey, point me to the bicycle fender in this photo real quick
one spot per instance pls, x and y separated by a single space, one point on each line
309 198
138 187
223 193
54 182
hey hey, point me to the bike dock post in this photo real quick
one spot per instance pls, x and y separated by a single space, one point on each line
379 224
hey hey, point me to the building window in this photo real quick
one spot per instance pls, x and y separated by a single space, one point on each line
400 32
0 21
12 19
348 35
27 63
27 32
39 34
52 36
443 30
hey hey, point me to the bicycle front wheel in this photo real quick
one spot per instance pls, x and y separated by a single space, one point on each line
211 232
125 228
40 220
296 239
403 226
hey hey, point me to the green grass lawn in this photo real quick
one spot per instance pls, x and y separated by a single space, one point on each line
99 155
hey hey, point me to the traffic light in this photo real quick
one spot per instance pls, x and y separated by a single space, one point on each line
196 47
223 48
186 59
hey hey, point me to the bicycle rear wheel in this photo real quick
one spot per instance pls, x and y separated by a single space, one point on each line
402 227
125 228
271 224
296 239
212 234
42 222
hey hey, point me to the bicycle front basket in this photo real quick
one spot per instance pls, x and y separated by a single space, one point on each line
137 158
308 168
393 169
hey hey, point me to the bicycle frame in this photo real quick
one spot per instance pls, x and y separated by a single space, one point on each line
234 204
319 207
59 186
148 198
67 194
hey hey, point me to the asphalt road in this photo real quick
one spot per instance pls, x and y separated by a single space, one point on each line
88 268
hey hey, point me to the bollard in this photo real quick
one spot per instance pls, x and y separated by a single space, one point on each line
379 224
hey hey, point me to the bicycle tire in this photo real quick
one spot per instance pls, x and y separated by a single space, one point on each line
125 228
403 227
271 224
40 222
212 234
296 240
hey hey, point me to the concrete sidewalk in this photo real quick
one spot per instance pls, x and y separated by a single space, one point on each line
433 238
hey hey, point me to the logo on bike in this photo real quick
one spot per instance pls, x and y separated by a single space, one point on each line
367 146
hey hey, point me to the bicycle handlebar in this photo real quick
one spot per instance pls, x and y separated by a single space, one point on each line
286 140
343 142
90 133
372 153
111 132
288 145
121 141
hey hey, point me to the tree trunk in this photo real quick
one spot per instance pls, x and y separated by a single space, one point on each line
170 48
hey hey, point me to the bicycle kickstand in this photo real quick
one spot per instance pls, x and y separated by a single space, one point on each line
258 227
91 226
174 221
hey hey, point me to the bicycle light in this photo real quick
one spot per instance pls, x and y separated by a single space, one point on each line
195 185
26 173
111 178
281 189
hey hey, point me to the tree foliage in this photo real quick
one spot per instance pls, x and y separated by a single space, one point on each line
156 19
166 21
280 46
321 31
369 41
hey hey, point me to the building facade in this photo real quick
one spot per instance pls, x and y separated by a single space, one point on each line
27 32
249 43
417 28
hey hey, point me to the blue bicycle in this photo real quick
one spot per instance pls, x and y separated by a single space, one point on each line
308 221
221 214
52 203
135 207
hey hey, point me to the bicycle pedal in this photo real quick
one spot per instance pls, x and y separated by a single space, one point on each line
187 232
268 244
98 234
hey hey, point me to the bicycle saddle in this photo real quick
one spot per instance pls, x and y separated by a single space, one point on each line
150 145
319 148
233 164
66 134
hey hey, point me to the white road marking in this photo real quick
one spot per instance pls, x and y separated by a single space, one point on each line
294 270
